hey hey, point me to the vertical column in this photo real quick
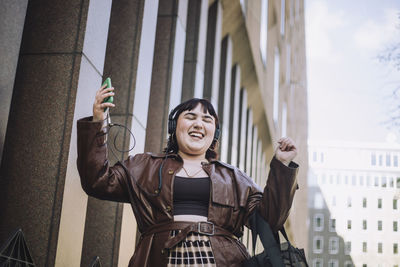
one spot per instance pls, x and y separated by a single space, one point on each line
254 153
11 26
70 52
224 95
234 117
249 141
139 118
213 50
195 49
166 82
242 130
102 237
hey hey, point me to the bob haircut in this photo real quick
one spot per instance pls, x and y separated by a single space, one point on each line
172 145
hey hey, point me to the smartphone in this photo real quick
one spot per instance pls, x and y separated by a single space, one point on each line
109 99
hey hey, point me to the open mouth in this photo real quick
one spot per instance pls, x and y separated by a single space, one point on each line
197 135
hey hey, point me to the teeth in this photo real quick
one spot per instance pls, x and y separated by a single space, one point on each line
196 135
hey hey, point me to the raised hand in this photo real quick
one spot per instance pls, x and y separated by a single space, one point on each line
286 150
99 106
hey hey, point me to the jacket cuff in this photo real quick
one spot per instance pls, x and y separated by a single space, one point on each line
89 128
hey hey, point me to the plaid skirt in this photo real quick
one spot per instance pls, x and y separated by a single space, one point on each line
194 251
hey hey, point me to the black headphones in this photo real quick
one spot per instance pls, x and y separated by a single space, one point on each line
172 124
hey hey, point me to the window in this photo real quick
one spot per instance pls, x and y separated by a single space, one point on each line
318 244
322 157
318 222
364 247
338 179
398 182
348 264
361 180
373 159
264 30
283 16
395 161
364 202
391 182
354 180
333 245
379 225
314 156
383 181
333 263
332 225
395 248
380 160
277 76
318 201
288 73
347 248
348 202
364 265
388 160
346 179
364 224
318 263
379 203
349 224
376 181
395 204
394 226
380 248
331 179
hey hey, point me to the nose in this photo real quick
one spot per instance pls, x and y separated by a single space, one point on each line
198 124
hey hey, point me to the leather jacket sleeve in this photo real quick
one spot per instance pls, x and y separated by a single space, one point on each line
278 194
98 179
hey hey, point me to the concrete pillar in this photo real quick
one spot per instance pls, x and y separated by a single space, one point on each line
225 95
102 237
139 118
234 117
67 40
213 51
166 82
242 130
195 49
11 26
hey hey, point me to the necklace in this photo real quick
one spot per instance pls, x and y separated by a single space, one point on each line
191 176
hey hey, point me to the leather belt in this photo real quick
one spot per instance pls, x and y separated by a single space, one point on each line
205 228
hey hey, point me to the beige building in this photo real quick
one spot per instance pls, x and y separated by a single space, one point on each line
247 57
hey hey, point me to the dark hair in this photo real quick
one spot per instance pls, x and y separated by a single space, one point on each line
172 145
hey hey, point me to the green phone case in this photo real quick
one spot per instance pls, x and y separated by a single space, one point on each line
109 99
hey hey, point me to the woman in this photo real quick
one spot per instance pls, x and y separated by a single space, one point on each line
190 208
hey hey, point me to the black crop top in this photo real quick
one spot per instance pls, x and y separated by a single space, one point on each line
191 196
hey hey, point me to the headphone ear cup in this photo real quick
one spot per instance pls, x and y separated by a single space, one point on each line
171 126
216 134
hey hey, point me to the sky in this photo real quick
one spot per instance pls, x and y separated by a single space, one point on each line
348 87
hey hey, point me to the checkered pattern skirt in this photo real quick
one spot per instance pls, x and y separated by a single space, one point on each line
194 251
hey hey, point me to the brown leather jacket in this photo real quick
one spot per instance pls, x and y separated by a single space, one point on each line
232 199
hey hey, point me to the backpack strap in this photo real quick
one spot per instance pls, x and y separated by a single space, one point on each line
260 227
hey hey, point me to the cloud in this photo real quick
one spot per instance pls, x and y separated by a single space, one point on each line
375 35
321 21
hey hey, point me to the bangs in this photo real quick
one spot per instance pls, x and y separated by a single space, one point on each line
192 104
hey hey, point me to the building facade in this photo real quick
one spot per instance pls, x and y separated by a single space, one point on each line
247 57
354 204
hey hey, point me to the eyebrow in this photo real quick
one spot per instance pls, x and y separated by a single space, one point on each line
204 116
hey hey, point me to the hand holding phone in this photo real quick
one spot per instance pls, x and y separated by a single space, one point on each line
103 101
